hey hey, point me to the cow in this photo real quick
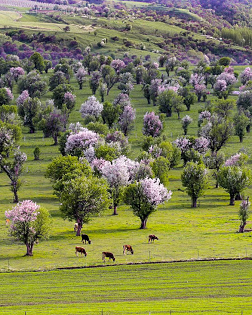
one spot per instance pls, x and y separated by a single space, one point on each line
85 238
81 250
127 248
152 237
109 255
75 227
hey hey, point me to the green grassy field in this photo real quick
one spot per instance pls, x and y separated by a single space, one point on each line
177 288
185 233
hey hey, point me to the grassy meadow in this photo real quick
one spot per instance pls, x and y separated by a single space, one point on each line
185 233
179 288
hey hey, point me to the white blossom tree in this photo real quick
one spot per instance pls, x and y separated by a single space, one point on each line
144 197
91 108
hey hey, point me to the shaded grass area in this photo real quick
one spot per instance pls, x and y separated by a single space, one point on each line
179 288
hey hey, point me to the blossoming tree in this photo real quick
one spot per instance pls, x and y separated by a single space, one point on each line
28 223
77 143
92 107
152 125
117 175
144 197
126 119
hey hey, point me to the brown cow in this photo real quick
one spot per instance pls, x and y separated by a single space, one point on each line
81 250
152 237
109 255
127 248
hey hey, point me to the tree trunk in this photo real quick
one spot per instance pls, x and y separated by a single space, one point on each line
80 85
148 100
55 138
143 223
32 129
78 232
238 196
194 202
14 187
242 226
115 210
169 113
248 128
232 200
29 248
241 139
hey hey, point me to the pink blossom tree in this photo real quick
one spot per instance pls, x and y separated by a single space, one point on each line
144 197
126 119
80 76
69 100
118 65
122 100
238 159
154 90
22 98
94 81
204 115
152 125
196 79
200 90
77 143
28 223
53 124
16 72
246 75
192 148
91 108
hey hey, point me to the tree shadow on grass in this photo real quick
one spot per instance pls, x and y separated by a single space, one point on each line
64 235
115 230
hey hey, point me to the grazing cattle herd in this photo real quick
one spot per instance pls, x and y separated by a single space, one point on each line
126 248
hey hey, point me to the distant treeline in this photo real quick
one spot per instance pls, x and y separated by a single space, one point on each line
65 2
241 36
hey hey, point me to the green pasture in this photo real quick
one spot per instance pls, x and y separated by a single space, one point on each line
210 231
177 288
11 19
